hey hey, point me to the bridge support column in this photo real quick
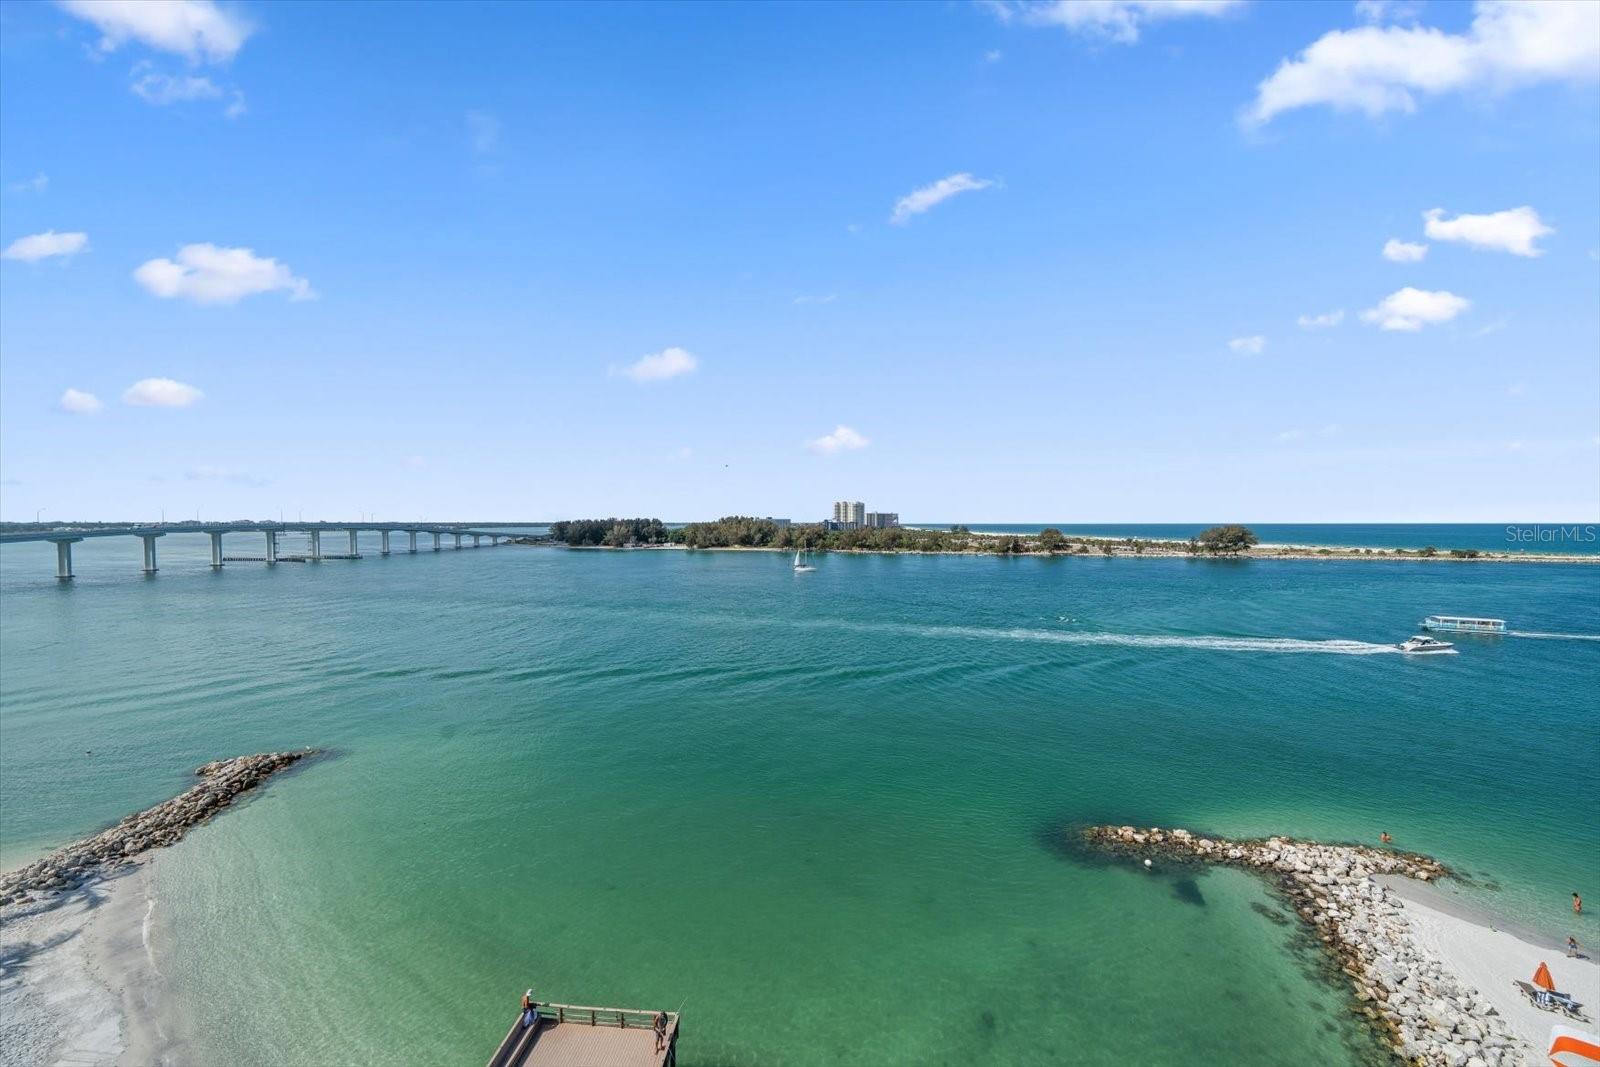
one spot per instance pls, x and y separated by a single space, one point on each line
149 552
386 542
64 560
316 546
458 542
494 540
353 551
476 540
272 545
216 549
436 540
413 535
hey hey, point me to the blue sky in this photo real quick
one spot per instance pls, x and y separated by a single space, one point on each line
976 262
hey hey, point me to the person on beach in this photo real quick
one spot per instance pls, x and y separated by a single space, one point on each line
1577 904
1385 838
660 1028
1572 946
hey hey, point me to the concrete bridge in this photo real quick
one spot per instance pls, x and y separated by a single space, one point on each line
65 537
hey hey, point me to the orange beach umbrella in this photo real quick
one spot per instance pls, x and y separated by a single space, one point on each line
1542 979
1573 1048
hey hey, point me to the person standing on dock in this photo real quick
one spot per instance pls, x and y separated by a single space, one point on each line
530 1009
660 1028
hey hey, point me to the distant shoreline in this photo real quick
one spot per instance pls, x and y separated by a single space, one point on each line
1120 550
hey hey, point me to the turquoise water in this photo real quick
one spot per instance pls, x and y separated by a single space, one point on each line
1572 538
822 811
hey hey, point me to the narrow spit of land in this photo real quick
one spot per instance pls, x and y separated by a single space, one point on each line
78 981
1417 968
71 865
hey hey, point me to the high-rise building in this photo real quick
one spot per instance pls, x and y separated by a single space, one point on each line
881 520
851 514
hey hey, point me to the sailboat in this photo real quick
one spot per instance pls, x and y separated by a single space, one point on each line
800 565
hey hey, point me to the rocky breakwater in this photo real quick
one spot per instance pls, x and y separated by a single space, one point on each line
70 866
1429 1015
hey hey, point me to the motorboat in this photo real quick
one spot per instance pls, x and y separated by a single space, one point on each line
1421 645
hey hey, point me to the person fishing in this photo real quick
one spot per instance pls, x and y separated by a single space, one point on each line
530 1009
660 1027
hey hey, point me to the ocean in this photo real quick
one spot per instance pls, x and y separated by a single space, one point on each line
828 814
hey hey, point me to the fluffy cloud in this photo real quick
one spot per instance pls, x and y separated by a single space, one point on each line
160 393
79 403
842 439
1412 309
207 274
667 363
1513 231
1326 320
165 89
196 29
1114 20
36 184
44 245
1398 251
1378 69
1250 346
919 200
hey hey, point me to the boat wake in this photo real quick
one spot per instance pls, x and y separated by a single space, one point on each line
1281 645
1553 637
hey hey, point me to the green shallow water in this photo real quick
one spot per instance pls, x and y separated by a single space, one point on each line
822 810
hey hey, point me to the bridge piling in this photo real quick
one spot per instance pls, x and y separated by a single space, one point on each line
386 542
353 551
316 546
458 542
149 552
216 549
64 559
436 540
272 546
413 535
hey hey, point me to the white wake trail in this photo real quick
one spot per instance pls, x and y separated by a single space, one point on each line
1553 637
1279 645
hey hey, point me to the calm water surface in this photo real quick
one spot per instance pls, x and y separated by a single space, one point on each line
822 811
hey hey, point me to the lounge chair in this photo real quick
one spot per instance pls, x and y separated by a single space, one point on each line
1550 1000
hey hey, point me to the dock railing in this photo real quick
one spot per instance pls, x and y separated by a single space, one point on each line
622 1018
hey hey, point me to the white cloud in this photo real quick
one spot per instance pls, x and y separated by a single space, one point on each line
1398 251
667 363
842 439
1388 10
1326 320
44 245
824 298
236 107
206 472
207 274
158 88
483 130
36 184
919 200
1412 309
1250 346
1513 231
196 29
993 55
1517 389
79 403
160 393
1113 20
1378 69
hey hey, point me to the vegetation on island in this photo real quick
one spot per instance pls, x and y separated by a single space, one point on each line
1226 540
612 533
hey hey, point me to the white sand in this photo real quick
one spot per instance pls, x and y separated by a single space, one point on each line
1489 955
79 984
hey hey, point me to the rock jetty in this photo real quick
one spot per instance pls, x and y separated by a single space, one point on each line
70 866
1429 1015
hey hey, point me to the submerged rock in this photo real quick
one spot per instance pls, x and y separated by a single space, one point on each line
1428 1015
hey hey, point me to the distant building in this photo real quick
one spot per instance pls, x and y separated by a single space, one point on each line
781 524
849 514
882 520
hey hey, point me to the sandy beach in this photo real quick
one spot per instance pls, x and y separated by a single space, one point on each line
1489 954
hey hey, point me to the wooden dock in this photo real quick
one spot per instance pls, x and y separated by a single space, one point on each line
567 1035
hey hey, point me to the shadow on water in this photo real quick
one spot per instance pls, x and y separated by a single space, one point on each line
1188 891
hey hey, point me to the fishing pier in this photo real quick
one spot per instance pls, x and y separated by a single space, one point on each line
566 1035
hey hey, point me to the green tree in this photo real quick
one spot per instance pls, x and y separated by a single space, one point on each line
1050 539
1227 540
